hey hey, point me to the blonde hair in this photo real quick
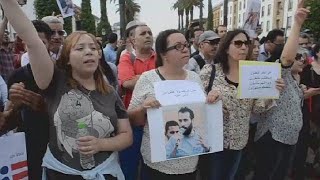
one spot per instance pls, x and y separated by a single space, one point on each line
63 63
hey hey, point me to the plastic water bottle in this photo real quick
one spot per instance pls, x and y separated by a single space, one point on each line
86 161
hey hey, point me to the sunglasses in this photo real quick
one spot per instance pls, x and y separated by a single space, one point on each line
178 47
60 33
240 43
300 57
173 132
213 42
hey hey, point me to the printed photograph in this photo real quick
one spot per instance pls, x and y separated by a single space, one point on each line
185 132
66 7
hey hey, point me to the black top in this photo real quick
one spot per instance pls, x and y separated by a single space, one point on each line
35 124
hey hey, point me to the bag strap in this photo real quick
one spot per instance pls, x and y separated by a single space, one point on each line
160 75
212 77
26 71
199 60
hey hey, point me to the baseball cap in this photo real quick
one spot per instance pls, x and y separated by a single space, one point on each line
209 36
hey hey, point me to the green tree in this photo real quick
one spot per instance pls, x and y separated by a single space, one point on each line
47 7
313 20
210 16
87 18
104 27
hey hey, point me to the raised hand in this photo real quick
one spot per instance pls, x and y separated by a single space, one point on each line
301 13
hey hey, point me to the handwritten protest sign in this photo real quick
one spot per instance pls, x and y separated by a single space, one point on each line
257 80
184 125
178 91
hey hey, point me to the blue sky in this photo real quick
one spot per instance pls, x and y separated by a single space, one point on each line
156 13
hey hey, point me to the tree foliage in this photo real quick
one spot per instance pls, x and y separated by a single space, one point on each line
47 7
87 18
210 16
104 21
313 20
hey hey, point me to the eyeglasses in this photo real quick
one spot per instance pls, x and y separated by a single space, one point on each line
60 33
173 132
178 47
240 43
213 42
301 44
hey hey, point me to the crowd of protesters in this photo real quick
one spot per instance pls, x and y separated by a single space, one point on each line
49 81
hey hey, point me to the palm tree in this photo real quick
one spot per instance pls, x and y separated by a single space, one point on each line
127 10
178 5
210 16
225 12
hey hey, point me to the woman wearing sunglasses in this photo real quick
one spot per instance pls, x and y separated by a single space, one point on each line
172 55
278 129
236 112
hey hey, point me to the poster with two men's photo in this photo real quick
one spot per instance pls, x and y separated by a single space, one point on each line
184 125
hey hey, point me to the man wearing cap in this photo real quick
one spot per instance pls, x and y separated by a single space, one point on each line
208 45
109 51
129 70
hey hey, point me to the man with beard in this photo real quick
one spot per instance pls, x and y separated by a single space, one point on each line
187 142
273 41
6 55
208 45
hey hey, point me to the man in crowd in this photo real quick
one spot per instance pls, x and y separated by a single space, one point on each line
130 68
194 49
187 142
57 38
221 30
109 51
27 104
208 46
6 54
274 39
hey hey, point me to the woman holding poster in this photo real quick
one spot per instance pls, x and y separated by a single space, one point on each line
172 55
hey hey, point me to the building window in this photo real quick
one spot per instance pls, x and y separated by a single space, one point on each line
234 20
290 5
229 21
240 5
262 11
268 26
269 9
279 8
244 4
239 18
278 23
230 10
235 9
289 22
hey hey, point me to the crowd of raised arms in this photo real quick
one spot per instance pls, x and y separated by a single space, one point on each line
50 83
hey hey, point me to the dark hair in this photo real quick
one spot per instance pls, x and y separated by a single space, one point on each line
316 50
186 109
222 56
112 38
106 69
42 27
169 124
262 40
221 25
273 34
162 43
276 54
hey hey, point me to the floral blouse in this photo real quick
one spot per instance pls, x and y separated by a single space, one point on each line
236 112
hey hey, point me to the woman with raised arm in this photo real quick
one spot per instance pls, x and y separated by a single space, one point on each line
278 129
88 122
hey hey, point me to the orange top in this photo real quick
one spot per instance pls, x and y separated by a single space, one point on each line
128 70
